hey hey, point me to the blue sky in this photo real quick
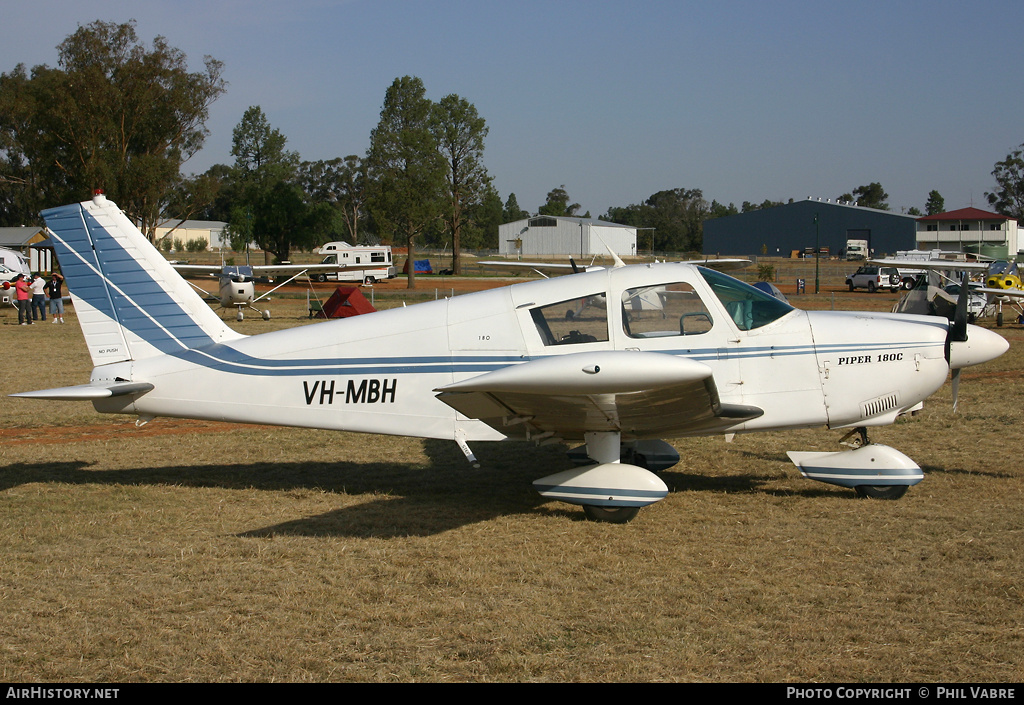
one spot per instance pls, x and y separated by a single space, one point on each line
616 100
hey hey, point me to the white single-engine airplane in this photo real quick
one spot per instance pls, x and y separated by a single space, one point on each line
237 283
933 295
506 363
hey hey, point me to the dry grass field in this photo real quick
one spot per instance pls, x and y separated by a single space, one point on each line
192 551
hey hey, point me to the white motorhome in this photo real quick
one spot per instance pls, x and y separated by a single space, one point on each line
344 253
12 262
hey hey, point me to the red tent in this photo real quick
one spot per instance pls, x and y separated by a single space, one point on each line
344 302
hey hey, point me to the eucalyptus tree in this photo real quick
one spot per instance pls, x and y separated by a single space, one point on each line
340 183
1008 198
266 195
557 203
670 220
460 132
405 169
114 115
870 196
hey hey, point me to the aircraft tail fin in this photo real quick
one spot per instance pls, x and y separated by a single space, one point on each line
130 301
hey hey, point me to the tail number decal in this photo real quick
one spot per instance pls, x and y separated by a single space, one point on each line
367 391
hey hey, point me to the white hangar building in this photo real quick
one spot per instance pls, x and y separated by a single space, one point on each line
211 231
555 235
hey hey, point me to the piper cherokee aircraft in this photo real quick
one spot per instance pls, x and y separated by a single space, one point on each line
237 283
506 364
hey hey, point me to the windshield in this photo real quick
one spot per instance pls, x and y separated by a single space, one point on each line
748 307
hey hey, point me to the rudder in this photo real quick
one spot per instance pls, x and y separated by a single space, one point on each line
130 301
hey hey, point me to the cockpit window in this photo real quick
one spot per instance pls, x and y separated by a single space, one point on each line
748 307
571 322
664 310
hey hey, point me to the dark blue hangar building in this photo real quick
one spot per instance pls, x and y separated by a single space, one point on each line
779 231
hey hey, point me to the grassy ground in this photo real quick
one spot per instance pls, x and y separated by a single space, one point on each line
189 551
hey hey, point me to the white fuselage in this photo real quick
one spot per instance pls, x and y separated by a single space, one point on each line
236 290
378 372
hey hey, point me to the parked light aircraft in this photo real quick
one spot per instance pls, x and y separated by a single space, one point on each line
938 291
506 364
237 283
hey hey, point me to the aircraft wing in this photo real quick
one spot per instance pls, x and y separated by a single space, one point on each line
287 270
277 270
541 267
194 269
934 264
722 265
998 292
559 268
640 394
515 264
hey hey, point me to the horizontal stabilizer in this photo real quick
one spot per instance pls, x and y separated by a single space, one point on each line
88 391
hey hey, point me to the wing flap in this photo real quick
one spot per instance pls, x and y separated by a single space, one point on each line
641 395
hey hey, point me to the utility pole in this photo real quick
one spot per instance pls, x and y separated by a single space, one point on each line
817 255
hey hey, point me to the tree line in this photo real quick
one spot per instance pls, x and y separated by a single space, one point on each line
119 116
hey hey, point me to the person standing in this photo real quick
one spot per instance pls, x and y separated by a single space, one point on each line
38 287
53 291
24 297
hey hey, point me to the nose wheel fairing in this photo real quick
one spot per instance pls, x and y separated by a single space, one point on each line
872 465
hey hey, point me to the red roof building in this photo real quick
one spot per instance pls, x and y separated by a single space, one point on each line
969 230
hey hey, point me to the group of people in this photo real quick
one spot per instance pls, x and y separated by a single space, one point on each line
33 292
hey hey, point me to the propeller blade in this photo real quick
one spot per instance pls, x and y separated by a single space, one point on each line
575 267
956 387
958 329
957 332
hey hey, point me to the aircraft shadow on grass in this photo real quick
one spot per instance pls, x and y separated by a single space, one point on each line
406 500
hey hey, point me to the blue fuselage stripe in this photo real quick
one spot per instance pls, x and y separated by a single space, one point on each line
226 359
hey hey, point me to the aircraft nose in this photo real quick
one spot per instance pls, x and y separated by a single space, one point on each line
981 346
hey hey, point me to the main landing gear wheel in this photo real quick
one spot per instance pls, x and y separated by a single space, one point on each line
881 491
610 515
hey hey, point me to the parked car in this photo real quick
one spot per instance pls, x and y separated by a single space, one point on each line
976 301
872 277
